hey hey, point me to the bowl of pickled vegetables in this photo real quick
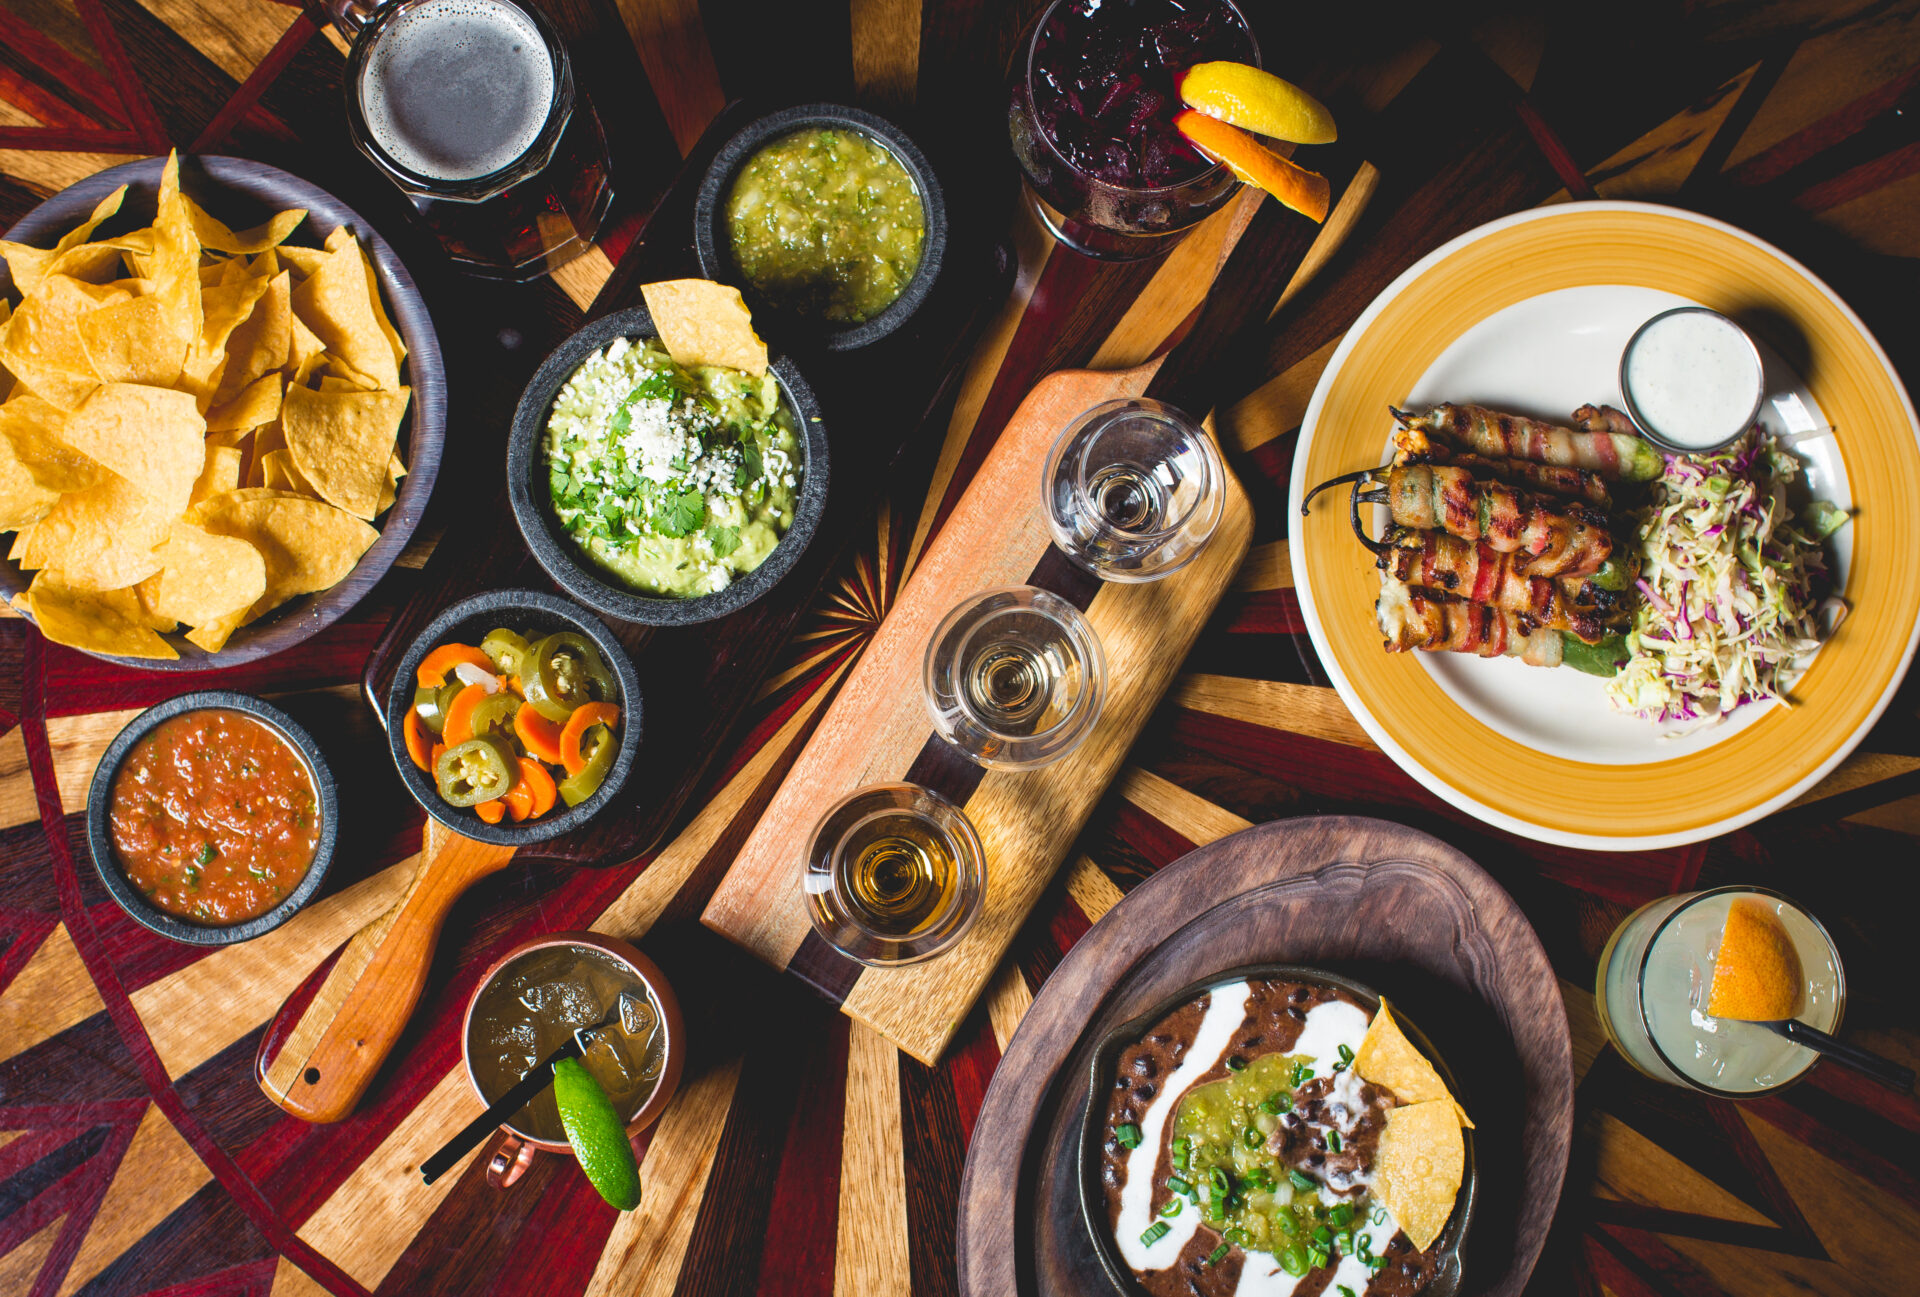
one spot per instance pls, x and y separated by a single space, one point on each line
514 717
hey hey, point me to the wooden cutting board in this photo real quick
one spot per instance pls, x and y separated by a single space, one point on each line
877 729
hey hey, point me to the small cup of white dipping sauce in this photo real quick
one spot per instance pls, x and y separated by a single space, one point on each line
1692 380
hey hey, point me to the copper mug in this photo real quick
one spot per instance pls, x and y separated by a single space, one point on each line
511 1160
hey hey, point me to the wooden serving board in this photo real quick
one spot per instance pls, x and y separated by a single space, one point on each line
878 731
1379 902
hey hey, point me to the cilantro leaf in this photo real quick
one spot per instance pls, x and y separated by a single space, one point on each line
753 466
680 513
724 540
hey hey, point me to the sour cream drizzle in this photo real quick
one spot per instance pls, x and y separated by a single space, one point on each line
1226 1011
1261 1275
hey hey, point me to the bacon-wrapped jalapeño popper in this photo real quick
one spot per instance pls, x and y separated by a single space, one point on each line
1411 619
1479 574
1412 447
1612 454
1557 538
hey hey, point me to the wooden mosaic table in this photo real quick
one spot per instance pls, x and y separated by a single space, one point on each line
805 1155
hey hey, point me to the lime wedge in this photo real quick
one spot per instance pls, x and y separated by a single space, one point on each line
598 1136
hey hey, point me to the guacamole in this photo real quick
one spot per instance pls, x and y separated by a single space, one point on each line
826 223
673 480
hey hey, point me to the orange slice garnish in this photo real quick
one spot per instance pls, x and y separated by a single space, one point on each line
1756 975
1306 192
1244 96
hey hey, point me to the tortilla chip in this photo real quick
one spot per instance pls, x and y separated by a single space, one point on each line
278 471
213 636
308 545
96 621
341 442
204 578
23 501
43 346
1386 1057
226 305
1418 1167
149 435
134 342
395 471
704 323
103 538
221 474
259 344
36 430
175 263
28 264
304 261
214 233
335 303
304 348
149 617
258 404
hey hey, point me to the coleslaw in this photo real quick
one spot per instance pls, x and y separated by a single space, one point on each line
1733 591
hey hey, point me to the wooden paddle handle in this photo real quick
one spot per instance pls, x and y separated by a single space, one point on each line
346 1032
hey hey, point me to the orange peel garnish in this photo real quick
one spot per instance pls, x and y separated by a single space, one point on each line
1306 192
1245 96
1756 974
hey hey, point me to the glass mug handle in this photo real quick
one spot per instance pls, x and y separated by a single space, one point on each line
510 1161
351 15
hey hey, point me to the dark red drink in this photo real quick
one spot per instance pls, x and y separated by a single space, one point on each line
1092 105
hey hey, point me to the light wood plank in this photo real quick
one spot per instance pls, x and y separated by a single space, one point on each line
886 51
1277 405
76 743
1091 890
289 1280
1860 770
367 1223
1635 1169
1178 286
870 1256
155 1178
584 276
50 994
18 805
19 1267
1589 1037
235 34
1008 999
1313 710
1334 234
1190 815
672 44
1902 816
1268 567
643 1255
52 172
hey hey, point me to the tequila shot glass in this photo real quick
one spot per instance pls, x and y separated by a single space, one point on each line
1014 678
1133 489
894 875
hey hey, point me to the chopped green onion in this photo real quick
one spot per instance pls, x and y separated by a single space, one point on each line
1319 1258
1293 1260
1346 1054
1300 1181
1345 1239
1182 1152
1344 1290
1237 1236
1222 1185
1218 1254
1323 1236
1236 1064
1341 1215
1154 1233
1172 1207
1178 1184
1251 1137
1363 1246
1302 1073
1288 1225
1128 1134
1333 1141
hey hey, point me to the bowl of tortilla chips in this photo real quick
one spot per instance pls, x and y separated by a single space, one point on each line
212 441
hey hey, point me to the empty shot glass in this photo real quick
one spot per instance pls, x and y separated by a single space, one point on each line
1014 677
894 875
1133 489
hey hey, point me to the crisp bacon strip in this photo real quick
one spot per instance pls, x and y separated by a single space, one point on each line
1480 574
1417 619
1483 431
1413 447
1569 540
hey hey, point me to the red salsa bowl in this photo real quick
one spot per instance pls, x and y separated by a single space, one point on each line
212 818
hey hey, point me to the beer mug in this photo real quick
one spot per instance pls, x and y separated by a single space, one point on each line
469 107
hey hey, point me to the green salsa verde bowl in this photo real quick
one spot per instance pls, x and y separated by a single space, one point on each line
714 242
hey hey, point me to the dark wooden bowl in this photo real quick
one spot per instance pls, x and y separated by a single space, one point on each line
244 193
1382 904
556 551
715 246
466 623
1447 1273
100 835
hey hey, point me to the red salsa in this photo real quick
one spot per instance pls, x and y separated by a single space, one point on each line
214 816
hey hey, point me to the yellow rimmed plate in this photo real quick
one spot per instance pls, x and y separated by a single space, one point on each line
1530 310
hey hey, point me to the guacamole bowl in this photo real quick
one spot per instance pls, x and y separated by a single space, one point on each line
593 584
883 151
